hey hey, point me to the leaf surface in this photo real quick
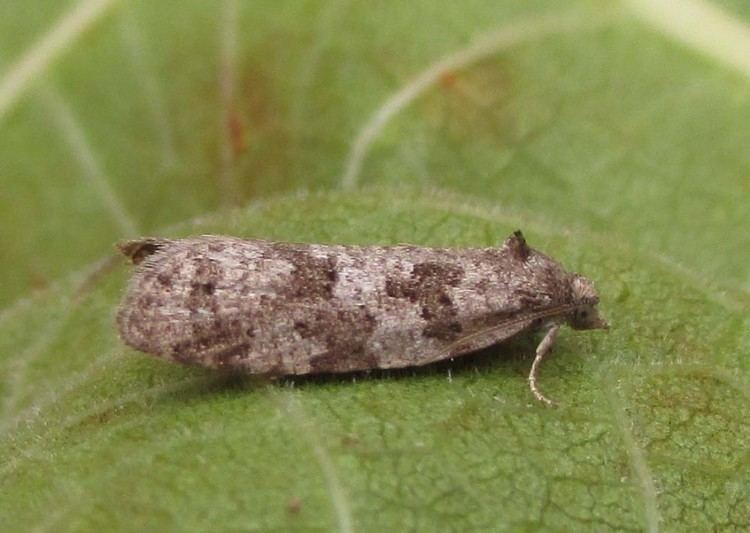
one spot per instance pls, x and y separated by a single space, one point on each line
618 148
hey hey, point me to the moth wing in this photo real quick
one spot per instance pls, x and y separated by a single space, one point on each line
174 307
215 341
486 336
223 355
480 338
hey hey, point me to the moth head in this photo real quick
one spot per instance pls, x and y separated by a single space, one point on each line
585 315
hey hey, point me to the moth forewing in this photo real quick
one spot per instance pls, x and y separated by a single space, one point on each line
283 308
497 333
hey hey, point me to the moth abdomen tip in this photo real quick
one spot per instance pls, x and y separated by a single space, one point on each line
138 249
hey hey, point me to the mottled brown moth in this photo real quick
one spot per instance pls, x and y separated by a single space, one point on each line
278 308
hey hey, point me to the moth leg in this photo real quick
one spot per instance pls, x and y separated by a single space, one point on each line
544 348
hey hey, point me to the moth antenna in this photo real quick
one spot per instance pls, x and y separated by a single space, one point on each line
517 245
137 250
544 348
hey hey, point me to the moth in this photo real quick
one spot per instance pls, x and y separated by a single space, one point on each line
278 308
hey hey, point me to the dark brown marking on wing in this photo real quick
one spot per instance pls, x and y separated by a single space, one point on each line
202 289
344 333
434 273
165 280
201 300
312 277
397 287
428 286
444 331
231 355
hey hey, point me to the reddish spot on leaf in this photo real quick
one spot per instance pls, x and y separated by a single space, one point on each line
294 506
448 80
236 128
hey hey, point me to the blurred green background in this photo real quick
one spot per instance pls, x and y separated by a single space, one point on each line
615 134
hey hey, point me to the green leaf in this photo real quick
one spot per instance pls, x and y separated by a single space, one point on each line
615 139
651 414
